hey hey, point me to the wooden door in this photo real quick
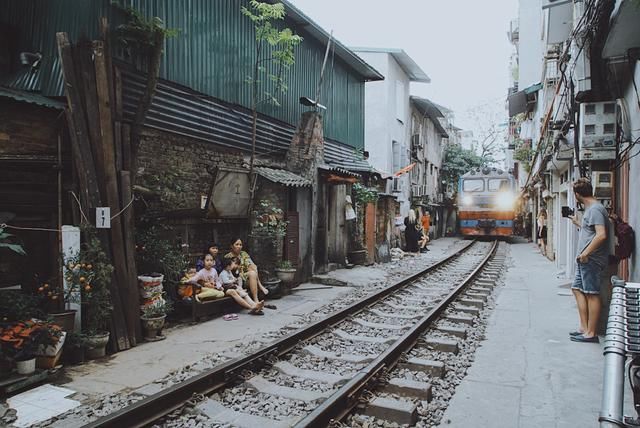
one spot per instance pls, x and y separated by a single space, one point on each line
292 239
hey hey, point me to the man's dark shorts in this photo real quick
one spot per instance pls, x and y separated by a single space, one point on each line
588 278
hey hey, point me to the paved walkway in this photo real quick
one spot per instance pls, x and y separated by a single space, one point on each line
187 343
528 374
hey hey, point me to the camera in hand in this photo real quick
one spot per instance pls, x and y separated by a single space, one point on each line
567 211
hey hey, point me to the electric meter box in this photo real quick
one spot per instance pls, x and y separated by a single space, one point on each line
598 130
602 184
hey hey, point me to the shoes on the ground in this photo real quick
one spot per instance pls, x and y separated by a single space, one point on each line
230 317
270 306
575 333
581 338
256 313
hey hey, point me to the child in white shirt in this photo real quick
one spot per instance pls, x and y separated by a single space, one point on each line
233 287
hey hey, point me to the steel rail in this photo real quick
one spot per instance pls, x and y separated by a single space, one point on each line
150 409
342 402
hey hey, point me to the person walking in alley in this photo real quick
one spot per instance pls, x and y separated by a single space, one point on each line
542 231
592 260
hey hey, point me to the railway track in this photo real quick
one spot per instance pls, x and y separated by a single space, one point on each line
323 372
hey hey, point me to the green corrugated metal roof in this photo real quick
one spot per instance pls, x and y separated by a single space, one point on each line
212 55
30 97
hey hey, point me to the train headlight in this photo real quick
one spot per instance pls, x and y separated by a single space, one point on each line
505 201
467 200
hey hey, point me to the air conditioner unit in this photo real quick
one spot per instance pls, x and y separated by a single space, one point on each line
598 130
602 184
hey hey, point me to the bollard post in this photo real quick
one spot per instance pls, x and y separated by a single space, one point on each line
611 409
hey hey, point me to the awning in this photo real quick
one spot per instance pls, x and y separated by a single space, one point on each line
404 170
281 176
522 100
31 97
337 169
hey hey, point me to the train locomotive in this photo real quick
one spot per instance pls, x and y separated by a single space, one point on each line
486 203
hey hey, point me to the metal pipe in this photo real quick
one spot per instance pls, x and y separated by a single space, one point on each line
611 409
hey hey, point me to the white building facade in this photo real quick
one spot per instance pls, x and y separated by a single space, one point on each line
575 112
388 117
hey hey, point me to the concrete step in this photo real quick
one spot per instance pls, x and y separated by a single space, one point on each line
391 315
260 384
466 301
350 358
467 309
379 326
474 295
454 331
409 308
368 339
409 388
219 413
442 345
430 367
289 369
460 318
389 409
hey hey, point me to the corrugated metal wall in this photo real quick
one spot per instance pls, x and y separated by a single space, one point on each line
213 55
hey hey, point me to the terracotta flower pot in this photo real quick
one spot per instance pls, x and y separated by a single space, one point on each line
152 326
96 346
286 275
66 320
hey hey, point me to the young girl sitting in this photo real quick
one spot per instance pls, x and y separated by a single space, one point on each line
208 278
233 287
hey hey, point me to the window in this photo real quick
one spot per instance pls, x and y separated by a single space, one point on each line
396 155
400 99
498 184
431 169
473 185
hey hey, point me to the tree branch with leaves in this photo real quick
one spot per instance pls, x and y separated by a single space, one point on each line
274 54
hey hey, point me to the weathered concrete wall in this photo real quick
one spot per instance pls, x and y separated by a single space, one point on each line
177 167
634 172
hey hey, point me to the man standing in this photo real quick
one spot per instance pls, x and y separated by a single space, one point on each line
592 260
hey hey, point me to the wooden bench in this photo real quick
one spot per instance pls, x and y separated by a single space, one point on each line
209 308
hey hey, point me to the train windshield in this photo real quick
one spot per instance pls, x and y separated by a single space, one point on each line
498 185
473 185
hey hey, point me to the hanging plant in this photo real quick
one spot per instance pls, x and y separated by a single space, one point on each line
364 195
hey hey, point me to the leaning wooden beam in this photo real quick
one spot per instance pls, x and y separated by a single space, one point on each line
111 186
77 127
128 224
85 165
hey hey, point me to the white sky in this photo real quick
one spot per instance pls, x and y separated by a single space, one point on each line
461 44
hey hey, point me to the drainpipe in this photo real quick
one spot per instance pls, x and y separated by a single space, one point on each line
614 359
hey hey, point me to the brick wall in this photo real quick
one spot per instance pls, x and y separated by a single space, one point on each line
176 167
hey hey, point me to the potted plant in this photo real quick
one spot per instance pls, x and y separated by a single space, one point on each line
88 275
74 347
54 302
285 271
362 196
268 230
22 341
153 317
